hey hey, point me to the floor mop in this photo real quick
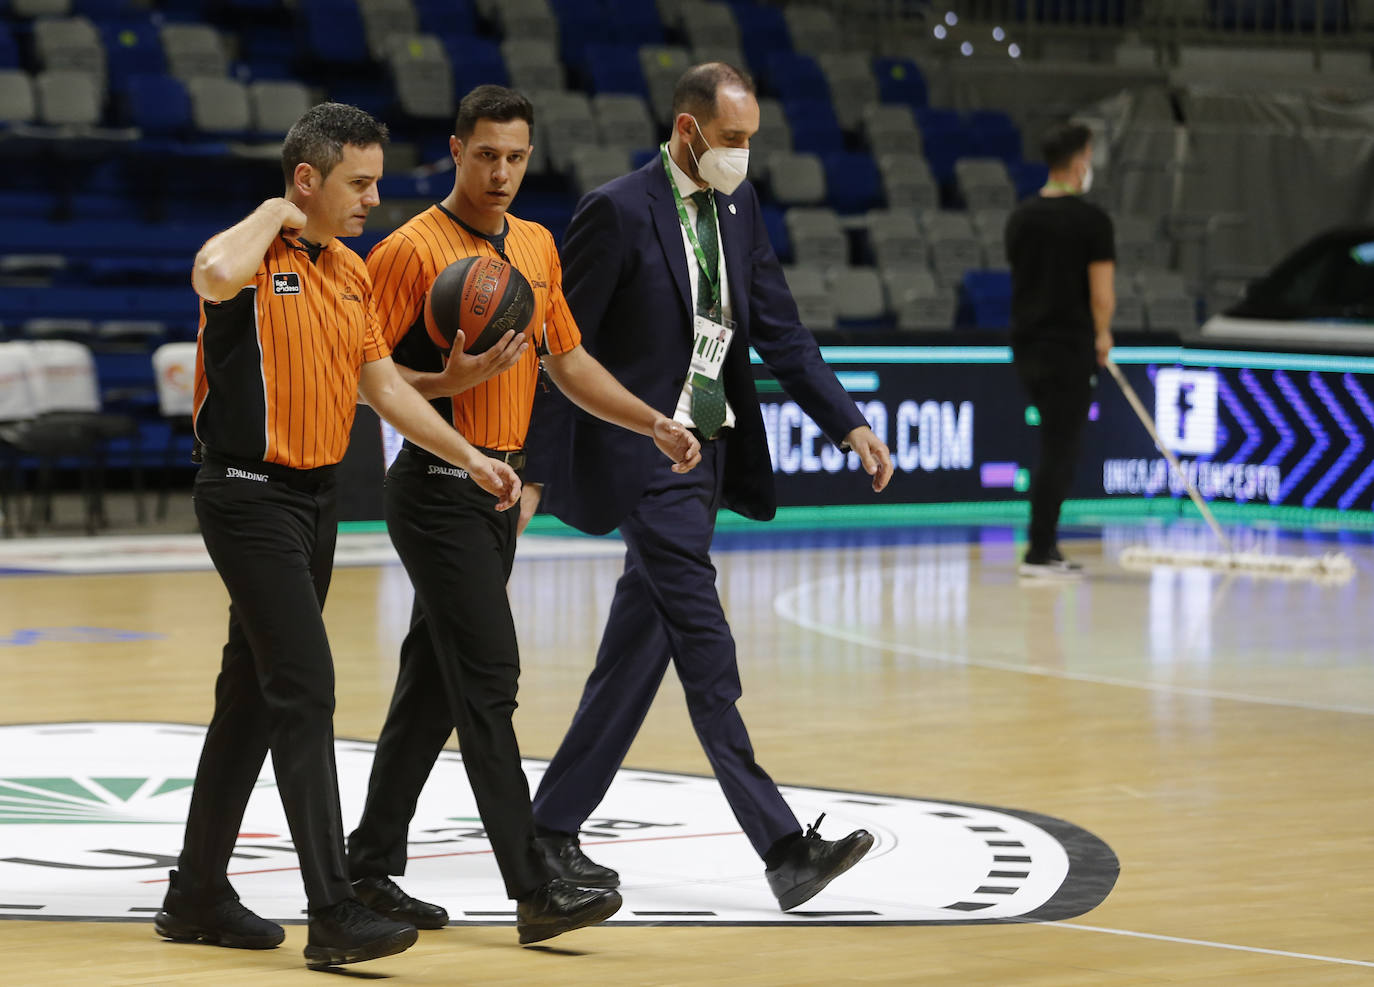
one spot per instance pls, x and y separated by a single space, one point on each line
1330 567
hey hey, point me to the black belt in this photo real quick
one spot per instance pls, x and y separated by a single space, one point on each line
514 458
701 436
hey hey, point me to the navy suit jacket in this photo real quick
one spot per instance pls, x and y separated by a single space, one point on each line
626 280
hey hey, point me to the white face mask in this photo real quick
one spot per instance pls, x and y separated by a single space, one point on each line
1087 179
723 168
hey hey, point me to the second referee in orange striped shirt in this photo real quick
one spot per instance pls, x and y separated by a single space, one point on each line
459 664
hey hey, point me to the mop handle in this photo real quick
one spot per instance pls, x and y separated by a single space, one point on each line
1149 424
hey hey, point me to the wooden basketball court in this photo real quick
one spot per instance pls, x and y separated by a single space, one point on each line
1215 732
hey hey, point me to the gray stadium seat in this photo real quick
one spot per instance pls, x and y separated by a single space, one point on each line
719 53
69 44
896 239
533 66
880 118
80 330
709 25
384 19
907 182
662 66
813 29
811 291
563 121
954 247
194 50
818 239
1139 245
277 105
623 121
852 85
422 76
1169 305
17 102
219 106
858 294
1130 307
987 222
796 179
984 183
532 20
918 300
40 8
594 166
67 99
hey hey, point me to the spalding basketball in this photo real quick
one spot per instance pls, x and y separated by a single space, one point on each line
483 296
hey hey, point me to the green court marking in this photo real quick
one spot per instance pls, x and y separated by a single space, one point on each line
1116 510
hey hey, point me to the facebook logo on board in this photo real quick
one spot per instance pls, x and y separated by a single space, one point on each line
1186 410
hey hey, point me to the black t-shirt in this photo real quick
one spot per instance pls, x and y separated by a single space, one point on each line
1051 240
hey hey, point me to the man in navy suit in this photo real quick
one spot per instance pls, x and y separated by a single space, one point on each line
671 278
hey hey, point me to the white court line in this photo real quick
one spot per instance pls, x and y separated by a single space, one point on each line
1208 943
784 605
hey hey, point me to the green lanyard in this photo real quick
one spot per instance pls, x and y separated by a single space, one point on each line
712 277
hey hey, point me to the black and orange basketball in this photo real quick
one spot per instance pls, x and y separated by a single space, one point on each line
484 297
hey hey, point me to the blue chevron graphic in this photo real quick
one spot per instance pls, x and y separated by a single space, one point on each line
1354 447
1320 440
1362 401
1253 436
1271 412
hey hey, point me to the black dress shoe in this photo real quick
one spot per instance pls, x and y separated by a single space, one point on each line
221 923
564 857
350 932
383 896
812 863
558 907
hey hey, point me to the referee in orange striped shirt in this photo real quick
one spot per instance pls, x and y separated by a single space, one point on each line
288 340
459 664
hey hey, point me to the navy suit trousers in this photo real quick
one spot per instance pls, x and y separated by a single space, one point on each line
666 608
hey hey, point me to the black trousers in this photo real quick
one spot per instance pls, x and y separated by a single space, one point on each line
270 532
1059 382
459 668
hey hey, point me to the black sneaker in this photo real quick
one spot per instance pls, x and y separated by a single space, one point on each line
223 923
350 932
559 907
385 897
564 858
1049 565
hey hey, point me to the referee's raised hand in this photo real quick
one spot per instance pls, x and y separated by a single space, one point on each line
497 479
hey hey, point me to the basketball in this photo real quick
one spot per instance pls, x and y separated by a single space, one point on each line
484 297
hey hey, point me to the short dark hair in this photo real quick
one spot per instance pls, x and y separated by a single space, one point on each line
695 92
491 103
1062 141
319 136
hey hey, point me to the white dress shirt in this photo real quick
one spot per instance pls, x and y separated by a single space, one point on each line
686 187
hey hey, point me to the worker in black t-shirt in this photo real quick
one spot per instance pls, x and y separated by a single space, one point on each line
1063 265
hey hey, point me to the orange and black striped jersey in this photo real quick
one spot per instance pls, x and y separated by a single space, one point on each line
496 413
277 365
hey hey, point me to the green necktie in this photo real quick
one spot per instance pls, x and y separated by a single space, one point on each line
708 396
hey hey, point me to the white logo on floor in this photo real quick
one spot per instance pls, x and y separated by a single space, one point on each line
91 818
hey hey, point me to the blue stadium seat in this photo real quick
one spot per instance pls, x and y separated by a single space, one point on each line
132 47
852 181
9 50
455 18
774 222
900 81
945 139
634 22
793 76
763 33
103 11
1028 177
614 69
994 135
580 24
332 32
813 124
476 62
988 297
157 104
